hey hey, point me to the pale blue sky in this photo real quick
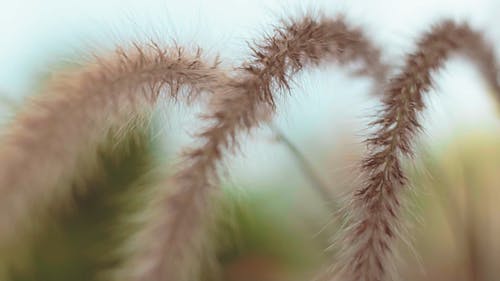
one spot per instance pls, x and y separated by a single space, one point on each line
327 105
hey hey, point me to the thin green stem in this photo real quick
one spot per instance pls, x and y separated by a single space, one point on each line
318 185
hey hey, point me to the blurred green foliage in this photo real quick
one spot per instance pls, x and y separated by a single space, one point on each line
252 227
76 245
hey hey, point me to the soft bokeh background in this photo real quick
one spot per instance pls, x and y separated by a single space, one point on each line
325 117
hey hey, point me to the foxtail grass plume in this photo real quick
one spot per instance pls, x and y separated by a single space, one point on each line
52 140
374 217
166 249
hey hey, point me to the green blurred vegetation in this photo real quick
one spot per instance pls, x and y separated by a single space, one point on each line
256 230
78 244
260 235
457 194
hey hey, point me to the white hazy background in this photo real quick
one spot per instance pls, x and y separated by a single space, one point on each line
327 110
